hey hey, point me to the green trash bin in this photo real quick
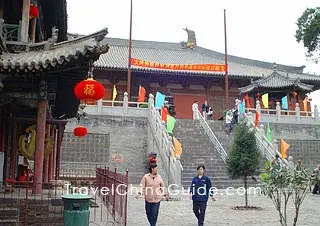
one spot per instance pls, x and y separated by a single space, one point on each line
76 210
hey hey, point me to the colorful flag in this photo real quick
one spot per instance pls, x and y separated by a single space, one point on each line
159 100
268 133
114 93
257 119
164 113
177 147
305 104
170 123
265 100
246 97
242 107
284 148
284 102
141 94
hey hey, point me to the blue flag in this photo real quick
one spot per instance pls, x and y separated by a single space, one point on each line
242 107
284 102
159 100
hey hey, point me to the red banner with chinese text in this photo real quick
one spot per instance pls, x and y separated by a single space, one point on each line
184 67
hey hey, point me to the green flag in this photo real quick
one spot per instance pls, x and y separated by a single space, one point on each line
170 123
268 133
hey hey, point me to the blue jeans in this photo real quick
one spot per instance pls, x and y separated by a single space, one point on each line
199 209
152 210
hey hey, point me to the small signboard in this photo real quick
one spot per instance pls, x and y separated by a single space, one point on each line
118 158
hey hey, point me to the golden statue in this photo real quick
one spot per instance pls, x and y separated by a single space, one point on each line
192 42
27 143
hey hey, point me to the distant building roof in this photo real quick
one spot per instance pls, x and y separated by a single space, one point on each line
276 80
173 53
46 56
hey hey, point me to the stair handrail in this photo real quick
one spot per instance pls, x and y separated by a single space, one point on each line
164 143
214 140
265 146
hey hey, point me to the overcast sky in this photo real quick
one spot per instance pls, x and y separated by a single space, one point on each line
262 30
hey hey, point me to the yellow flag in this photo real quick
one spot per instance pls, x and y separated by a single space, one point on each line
284 147
305 104
265 100
177 147
114 93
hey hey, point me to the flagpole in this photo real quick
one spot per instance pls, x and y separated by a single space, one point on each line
129 57
226 80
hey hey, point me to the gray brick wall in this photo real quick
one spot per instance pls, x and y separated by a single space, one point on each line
295 131
77 149
109 137
306 150
152 147
303 139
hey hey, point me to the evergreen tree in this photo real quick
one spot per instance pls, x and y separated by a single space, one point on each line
243 159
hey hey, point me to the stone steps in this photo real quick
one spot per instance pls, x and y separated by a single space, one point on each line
8 215
198 149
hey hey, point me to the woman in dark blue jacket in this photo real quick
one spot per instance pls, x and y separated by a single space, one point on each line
200 190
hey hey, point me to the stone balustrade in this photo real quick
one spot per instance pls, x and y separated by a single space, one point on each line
162 140
279 115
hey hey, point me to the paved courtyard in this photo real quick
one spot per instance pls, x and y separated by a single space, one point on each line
220 212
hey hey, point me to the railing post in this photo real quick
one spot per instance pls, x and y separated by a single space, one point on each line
151 101
297 109
258 107
114 195
125 103
278 111
99 106
316 113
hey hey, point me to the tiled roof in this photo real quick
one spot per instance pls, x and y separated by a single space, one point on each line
173 53
276 80
58 55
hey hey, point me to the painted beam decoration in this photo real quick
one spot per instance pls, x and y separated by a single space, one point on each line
182 67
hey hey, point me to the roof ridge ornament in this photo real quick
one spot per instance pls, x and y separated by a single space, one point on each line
274 66
192 42
54 38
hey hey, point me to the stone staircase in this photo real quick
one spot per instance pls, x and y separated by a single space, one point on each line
219 129
198 149
8 211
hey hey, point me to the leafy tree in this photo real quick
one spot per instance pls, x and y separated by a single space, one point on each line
243 159
308 31
281 183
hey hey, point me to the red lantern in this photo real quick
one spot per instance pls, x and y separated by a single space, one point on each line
89 90
80 131
34 11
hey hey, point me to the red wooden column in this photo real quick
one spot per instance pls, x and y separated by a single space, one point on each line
46 159
13 155
2 130
59 143
38 156
51 156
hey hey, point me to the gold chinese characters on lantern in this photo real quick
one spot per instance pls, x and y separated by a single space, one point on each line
89 90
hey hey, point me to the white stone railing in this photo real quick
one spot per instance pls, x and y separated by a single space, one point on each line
265 147
286 116
164 144
118 108
214 140
162 139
